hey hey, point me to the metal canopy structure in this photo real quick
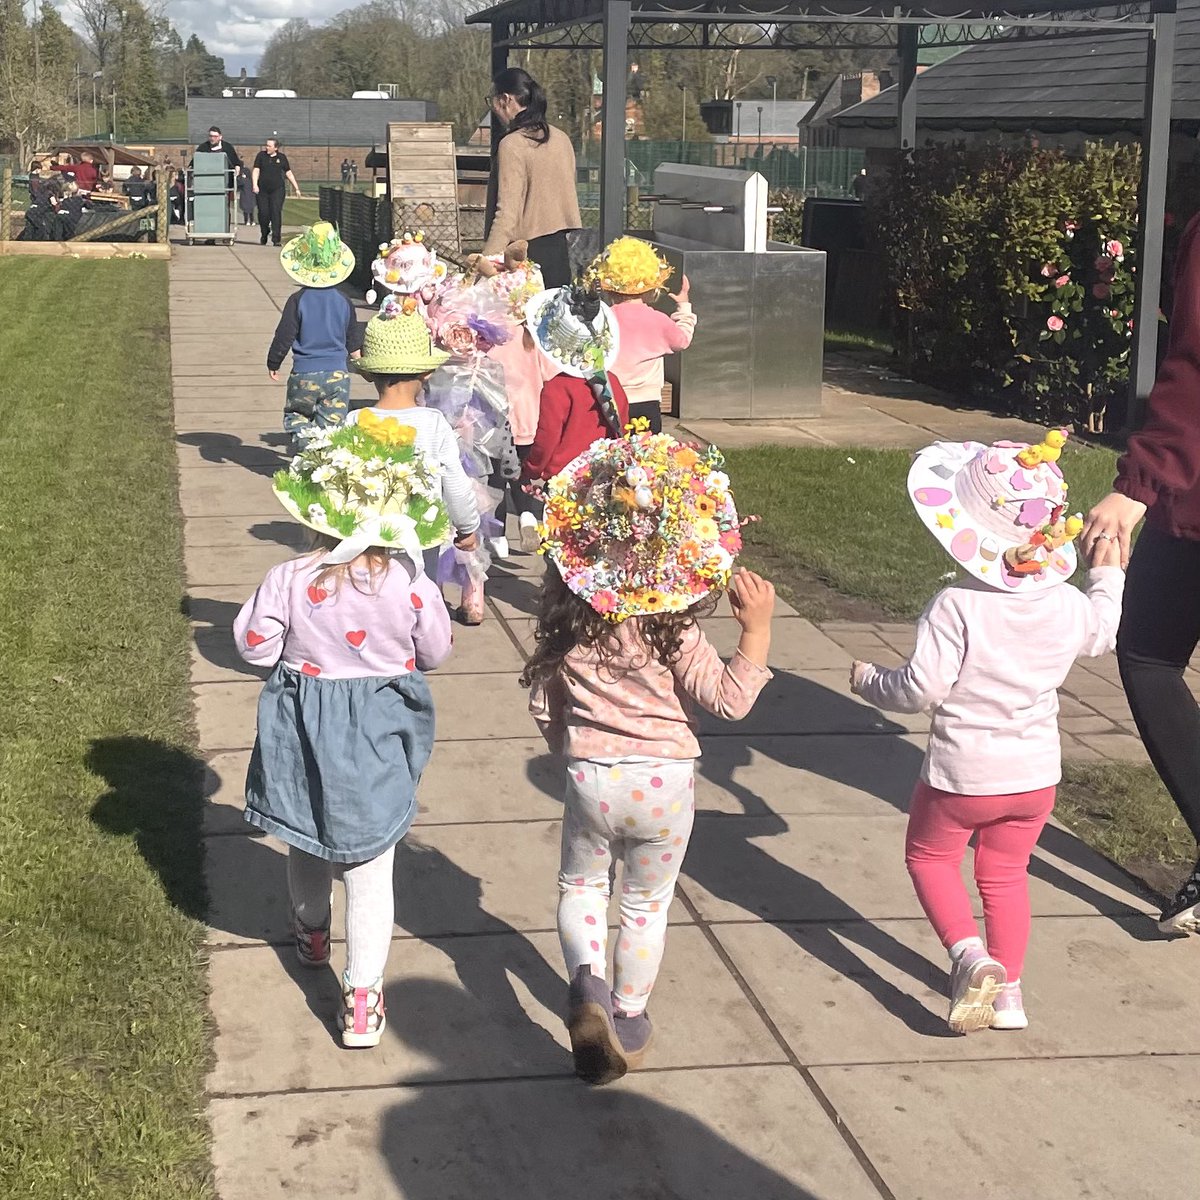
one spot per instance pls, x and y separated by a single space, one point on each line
613 27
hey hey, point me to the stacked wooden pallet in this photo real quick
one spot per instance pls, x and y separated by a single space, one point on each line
423 182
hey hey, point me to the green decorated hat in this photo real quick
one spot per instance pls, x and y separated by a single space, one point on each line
318 257
398 342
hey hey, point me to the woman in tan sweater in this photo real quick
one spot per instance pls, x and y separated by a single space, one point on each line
535 178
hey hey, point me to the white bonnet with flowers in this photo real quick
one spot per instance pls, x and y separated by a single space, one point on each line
999 511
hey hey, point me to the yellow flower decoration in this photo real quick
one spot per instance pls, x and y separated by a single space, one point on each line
386 429
706 529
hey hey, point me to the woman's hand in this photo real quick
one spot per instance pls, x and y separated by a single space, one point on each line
1113 519
685 290
1106 552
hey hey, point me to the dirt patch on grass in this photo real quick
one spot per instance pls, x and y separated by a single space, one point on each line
810 596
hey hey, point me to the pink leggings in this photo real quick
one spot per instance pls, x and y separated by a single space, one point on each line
939 827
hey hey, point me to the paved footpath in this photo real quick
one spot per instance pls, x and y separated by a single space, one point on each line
801 1053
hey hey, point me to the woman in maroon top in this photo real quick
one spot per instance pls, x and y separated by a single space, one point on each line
1159 479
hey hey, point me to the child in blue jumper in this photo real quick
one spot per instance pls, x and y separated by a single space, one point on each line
319 328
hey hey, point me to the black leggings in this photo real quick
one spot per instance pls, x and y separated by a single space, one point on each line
1160 628
270 213
553 254
514 488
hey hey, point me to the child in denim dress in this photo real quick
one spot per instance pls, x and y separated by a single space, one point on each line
318 327
345 720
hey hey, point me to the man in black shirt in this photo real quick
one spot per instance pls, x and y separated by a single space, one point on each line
270 173
217 145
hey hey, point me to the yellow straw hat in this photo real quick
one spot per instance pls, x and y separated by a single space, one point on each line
399 344
318 257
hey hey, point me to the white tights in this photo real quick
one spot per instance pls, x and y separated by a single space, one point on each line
370 907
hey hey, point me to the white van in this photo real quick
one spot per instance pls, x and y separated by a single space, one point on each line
275 94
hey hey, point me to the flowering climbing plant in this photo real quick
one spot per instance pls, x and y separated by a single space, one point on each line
1014 272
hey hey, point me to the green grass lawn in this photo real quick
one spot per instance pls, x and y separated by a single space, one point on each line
104 1041
875 342
843 518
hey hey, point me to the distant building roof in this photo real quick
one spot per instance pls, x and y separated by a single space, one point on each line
1087 83
303 122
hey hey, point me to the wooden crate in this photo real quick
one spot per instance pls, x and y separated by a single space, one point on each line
423 182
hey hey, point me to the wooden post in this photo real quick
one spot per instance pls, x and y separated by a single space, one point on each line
6 206
163 228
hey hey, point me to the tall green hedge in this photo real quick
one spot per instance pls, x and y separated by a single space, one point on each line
1013 273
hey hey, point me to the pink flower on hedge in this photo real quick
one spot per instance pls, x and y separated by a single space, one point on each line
1055 323
1048 270
1114 248
1101 291
1062 281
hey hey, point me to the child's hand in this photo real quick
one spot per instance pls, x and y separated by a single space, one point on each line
752 599
274 376
1106 552
685 290
467 541
858 675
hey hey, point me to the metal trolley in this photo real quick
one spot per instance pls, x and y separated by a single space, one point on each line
209 191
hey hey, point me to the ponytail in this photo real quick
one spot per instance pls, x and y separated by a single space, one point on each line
528 93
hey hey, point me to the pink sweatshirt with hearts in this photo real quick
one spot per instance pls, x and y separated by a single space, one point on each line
390 627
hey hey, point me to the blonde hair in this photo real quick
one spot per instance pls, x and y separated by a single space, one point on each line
376 559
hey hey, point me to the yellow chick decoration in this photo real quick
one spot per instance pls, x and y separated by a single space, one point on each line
1050 450
1074 526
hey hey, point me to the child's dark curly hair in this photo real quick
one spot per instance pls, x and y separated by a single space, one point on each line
566 621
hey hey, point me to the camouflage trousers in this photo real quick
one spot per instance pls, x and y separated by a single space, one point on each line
315 400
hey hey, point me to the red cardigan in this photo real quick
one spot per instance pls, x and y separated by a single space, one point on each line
1161 467
568 423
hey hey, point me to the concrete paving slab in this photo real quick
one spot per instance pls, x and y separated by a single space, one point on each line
511 996
243 399
237 532
796 644
245 564
225 492
259 459
876 992
480 707
225 792
214 607
701 1134
1099 1127
214 659
226 714
839 867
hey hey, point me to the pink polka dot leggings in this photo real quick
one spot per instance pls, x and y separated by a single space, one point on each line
638 812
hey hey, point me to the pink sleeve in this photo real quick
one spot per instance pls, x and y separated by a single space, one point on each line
683 327
548 708
431 635
261 627
726 690
926 679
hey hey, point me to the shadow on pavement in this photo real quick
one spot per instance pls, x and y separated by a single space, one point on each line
225 448
536 1138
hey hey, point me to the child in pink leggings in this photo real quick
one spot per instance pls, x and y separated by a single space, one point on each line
991 652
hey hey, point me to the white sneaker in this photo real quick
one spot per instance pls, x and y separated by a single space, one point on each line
1009 1009
362 1019
530 541
498 547
975 981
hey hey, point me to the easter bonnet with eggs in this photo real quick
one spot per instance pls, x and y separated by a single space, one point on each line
999 511
641 525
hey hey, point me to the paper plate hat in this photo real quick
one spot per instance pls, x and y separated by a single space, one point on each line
999 511
318 257
366 485
629 267
574 329
642 525
397 342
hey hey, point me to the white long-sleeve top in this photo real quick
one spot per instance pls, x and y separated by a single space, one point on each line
989 664
436 440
